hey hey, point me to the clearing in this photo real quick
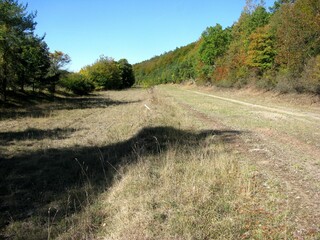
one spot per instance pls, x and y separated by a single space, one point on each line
171 162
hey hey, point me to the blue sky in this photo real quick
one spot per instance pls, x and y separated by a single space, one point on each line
133 29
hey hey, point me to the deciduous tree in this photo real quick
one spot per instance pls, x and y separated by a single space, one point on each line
215 43
126 73
58 60
261 51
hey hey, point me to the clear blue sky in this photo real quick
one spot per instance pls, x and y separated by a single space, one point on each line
133 29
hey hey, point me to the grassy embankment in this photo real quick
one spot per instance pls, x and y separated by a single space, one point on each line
107 166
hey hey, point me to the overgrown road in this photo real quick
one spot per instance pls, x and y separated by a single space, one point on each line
281 139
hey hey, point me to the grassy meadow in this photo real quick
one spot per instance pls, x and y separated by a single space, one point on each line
130 164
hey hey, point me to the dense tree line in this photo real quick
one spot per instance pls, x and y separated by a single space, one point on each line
275 48
25 59
173 66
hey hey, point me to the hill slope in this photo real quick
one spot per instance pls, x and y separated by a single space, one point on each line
270 49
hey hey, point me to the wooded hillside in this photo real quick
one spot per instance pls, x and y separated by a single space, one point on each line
275 48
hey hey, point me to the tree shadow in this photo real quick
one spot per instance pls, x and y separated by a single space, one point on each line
18 99
35 134
30 183
86 103
15 113
44 109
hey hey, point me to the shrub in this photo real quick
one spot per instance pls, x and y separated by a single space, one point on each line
267 81
311 76
77 83
287 82
225 83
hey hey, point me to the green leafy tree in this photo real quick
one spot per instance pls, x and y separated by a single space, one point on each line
104 73
261 51
215 43
126 73
258 18
58 60
252 17
277 5
77 83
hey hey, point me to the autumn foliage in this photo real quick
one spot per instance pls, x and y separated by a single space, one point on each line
275 48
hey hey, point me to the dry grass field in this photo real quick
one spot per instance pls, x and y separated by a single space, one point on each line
162 163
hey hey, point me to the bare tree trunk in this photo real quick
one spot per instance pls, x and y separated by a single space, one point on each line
5 74
22 87
4 89
4 83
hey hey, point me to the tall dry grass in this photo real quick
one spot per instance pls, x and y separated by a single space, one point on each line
193 189
127 171
191 192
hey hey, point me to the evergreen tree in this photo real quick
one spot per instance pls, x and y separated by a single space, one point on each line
15 26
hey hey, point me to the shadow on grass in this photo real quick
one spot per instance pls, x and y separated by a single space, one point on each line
41 105
86 103
35 134
16 99
31 183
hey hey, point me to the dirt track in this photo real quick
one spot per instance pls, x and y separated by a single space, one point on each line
314 116
282 140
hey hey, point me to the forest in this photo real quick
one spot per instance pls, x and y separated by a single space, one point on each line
274 49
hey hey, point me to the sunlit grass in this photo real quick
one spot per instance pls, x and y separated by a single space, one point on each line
192 194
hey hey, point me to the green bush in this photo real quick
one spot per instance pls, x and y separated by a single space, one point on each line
107 74
77 83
